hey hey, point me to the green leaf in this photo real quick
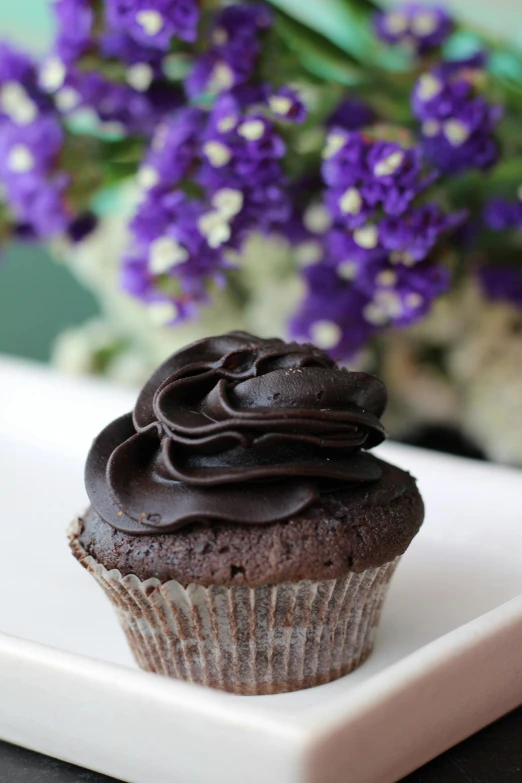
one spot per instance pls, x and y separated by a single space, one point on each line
507 66
317 54
473 188
348 25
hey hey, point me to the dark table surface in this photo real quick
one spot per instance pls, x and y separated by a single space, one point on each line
494 755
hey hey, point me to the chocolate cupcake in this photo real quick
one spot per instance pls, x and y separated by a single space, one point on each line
238 524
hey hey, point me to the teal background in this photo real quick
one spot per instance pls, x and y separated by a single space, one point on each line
39 297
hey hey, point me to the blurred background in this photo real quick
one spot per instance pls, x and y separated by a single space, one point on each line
48 289
31 281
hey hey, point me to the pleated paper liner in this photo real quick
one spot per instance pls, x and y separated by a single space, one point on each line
248 640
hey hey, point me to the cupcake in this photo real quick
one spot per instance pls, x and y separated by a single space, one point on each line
239 525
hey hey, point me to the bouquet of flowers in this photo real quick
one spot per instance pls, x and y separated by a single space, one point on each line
333 171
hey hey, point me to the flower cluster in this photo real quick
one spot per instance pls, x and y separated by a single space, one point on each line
375 253
363 175
230 119
418 26
154 22
235 47
31 139
137 35
458 124
210 178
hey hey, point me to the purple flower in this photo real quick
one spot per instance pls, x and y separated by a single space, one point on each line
242 152
287 105
457 124
235 48
42 202
235 37
171 258
75 20
375 256
81 226
39 202
410 237
21 100
120 45
15 66
29 150
232 154
344 157
332 313
175 148
351 114
502 282
154 22
501 215
419 26
342 249
35 190
126 109
364 176
401 295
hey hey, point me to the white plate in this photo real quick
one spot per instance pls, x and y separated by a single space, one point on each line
447 659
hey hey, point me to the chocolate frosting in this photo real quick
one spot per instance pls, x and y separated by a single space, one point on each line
237 429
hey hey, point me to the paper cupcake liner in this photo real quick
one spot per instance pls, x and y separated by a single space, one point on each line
247 640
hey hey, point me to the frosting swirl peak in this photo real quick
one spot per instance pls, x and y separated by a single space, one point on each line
239 429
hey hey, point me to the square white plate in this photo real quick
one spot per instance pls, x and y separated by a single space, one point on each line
447 659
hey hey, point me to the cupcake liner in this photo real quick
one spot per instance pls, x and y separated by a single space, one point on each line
248 640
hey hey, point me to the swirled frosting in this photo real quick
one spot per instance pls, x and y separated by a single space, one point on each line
239 429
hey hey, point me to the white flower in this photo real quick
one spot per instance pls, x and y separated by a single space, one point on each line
227 123
140 76
424 23
317 219
389 165
413 299
431 128
456 132
16 103
375 314
164 253
252 130
325 334
67 99
334 142
219 36
396 22
214 228
428 87
160 136
309 252
386 278
148 177
162 313
366 237
150 21
347 270
217 153
52 74
20 159
221 78
351 202
280 104
228 202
